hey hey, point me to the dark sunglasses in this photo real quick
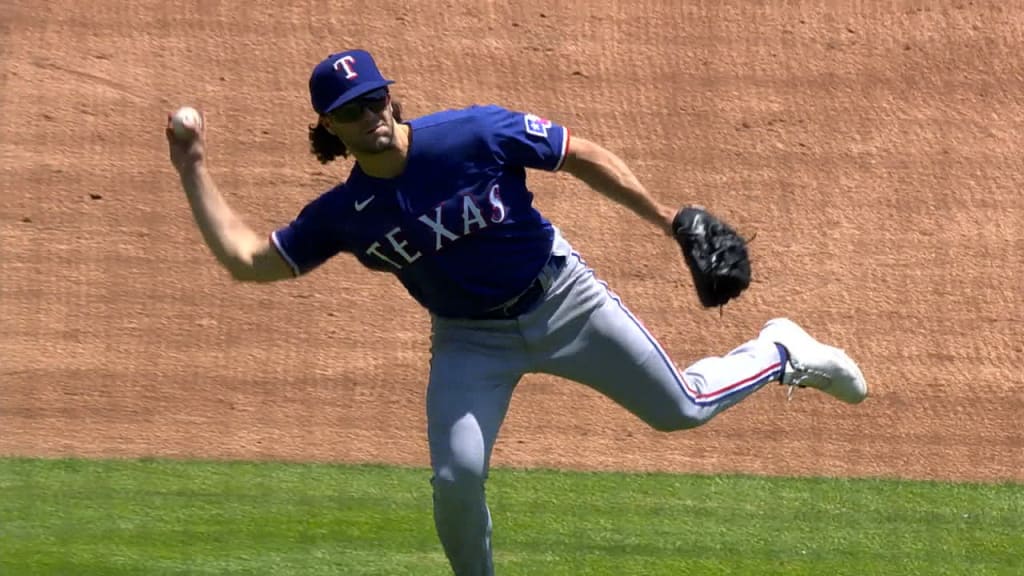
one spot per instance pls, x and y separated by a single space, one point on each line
376 101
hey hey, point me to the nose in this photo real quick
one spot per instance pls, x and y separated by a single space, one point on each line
366 118
374 115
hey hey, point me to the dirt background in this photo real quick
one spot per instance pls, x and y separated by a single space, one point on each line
873 147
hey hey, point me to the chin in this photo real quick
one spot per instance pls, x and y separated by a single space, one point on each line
374 144
383 143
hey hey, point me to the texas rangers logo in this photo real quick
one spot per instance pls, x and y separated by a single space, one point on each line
536 125
345 63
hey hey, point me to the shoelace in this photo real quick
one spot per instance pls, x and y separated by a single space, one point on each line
799 375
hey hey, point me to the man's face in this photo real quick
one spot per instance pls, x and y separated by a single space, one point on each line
366 125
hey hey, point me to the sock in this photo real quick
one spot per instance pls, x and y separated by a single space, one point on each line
784 359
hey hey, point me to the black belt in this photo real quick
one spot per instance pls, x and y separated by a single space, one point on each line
522 303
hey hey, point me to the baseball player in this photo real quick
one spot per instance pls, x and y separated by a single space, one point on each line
442 203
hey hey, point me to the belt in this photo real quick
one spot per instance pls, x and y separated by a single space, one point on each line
526 299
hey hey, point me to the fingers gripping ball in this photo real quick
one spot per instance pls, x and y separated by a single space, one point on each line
186 122
715 254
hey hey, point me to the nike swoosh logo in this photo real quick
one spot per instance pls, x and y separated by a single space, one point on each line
363 204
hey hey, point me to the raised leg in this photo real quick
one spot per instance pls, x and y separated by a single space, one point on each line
593 339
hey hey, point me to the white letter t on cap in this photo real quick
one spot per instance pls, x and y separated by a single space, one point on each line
346 62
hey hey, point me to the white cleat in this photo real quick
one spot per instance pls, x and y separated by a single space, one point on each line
816 365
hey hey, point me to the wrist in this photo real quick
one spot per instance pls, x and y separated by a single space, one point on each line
667 219
191 168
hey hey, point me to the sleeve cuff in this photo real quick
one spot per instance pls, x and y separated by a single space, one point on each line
565 150
280 250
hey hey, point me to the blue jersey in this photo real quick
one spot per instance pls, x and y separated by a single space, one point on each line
457 227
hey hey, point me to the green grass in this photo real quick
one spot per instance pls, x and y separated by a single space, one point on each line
165 517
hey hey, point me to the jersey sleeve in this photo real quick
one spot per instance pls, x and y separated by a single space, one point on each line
528 140
314 236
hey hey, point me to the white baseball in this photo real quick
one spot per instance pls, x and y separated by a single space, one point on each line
186 121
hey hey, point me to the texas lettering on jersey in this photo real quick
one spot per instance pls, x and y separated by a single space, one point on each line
458 226
451 220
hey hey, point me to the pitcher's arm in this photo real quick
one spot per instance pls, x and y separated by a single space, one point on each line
248 256
608 174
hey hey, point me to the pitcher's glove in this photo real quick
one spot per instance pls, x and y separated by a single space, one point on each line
715 254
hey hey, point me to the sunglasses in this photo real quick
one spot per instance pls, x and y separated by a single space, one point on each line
376 101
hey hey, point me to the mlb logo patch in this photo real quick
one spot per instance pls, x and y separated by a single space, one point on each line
536 125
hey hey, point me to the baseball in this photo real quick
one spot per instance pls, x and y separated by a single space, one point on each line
186 121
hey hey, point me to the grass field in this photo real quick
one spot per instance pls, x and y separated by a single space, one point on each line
80 517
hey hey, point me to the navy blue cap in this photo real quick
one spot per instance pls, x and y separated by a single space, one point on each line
343 77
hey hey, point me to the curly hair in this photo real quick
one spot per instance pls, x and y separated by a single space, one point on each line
327 147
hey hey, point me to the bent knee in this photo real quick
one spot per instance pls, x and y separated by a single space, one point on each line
676 421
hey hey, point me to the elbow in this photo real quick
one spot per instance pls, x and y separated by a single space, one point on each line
240 268
253 262
239 256
252 272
